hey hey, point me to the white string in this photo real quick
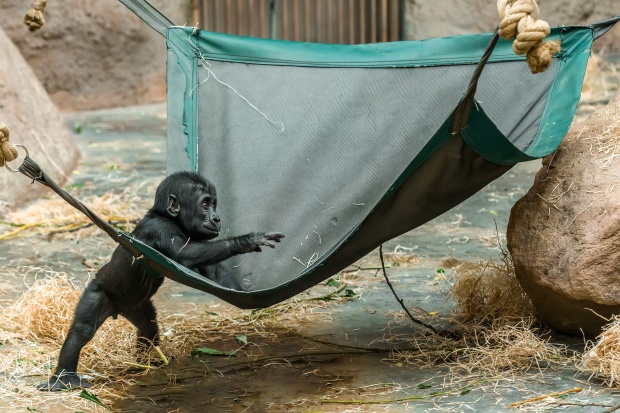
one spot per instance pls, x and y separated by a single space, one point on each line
207 66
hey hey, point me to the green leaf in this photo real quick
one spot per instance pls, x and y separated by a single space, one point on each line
242 339
77 128
85 394
333 283
464 392
349 293
211 352
212 313
423 386
32 409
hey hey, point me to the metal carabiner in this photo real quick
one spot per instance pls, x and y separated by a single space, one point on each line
6 164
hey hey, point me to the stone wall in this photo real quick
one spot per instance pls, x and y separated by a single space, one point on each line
94 53
435 18
34 121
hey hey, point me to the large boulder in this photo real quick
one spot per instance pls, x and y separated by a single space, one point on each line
34 121
94 53
564 234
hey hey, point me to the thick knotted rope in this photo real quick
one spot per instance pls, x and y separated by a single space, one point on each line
519 21
8 152
34 16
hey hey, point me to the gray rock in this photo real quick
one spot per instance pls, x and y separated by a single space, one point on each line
564 234
34 121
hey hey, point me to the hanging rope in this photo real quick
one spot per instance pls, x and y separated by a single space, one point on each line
34 16
8 152
519 21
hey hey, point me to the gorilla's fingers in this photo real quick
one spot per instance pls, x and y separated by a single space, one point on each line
268 244
274 236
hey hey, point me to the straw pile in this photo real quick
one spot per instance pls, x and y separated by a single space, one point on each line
603 133
33 328
602 359
601 79
57 218
488 291
511 347
495 323
43 314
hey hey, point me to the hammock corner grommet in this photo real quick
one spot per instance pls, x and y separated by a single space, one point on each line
342 147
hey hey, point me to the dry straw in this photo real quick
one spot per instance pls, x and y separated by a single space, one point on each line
33 328
489 290
57 218
602 358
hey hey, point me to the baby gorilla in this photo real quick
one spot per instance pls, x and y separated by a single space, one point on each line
182 225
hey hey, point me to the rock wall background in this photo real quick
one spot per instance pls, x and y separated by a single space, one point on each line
94 54
433 18
35 122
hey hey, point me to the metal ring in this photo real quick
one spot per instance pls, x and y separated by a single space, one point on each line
6 164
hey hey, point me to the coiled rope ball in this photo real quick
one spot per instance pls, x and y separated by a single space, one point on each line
8 152
34 16
519 21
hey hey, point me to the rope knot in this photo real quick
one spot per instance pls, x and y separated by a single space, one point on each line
8 152
34 16
519 21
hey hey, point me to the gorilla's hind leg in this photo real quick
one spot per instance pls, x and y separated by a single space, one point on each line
144 318
92 310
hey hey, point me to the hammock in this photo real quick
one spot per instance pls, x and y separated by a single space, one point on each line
343 147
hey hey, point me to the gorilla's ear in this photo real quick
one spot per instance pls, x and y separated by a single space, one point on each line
173 206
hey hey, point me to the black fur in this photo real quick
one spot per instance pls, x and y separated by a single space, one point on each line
182 225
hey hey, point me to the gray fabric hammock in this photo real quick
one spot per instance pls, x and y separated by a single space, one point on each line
342 147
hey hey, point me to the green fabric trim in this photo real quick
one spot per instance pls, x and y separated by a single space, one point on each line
564 94
486 140
483 136
177 42
465 49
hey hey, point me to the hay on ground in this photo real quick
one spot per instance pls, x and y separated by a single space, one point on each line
56 217
602 359
33 328
489 290
511 347
600 80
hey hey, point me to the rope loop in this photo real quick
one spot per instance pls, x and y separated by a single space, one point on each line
519 21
